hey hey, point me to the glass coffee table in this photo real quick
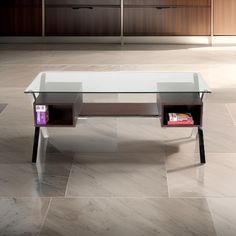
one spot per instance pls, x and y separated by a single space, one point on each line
58 98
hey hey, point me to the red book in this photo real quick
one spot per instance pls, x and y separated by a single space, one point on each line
180 122
180 117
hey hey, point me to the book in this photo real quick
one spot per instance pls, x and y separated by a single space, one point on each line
180 119
41 114
180 123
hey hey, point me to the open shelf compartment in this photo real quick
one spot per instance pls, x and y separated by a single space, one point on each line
194 110
180 103
58 109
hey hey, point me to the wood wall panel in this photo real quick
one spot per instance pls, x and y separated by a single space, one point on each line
192 21
176 21
184 17
224 17
82 2
148 22
195 3
21 18
91 21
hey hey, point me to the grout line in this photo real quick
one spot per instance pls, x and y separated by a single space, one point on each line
44 218
230 114
144 197
118 65
167 182
69 178
125 197
213 220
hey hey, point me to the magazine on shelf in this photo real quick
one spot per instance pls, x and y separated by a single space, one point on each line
180 119
41 114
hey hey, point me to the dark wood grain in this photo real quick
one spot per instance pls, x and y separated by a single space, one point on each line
179 99
119 109
57 98
224 17
84 21
21 18
82 2
195 3
155 18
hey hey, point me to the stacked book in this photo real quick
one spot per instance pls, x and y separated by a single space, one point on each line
41 114
180 119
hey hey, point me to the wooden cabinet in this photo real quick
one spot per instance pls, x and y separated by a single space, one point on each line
171 17
83 18
102 17
224 17
82 2
20 18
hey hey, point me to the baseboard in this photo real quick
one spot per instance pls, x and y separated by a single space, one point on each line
201 40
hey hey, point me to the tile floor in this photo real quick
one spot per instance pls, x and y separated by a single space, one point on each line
117 176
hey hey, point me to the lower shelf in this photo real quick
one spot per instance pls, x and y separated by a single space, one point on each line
176 126
194 110
119 109
65 114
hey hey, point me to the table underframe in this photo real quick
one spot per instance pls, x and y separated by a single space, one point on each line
123 110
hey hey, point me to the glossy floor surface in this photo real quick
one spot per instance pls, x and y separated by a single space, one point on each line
117 176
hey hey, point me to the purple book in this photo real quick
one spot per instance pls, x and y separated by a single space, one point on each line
41 115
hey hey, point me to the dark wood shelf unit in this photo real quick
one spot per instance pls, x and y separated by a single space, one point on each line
120 109
83 18
21 18
180 103
63 109
103 18
81 2
168 2
167 18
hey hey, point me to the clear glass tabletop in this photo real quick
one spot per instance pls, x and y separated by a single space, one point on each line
117 82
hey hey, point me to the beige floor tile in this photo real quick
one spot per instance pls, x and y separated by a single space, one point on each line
16 115
20 178
118 174
22 216
186 178
90 135
231 107
180 140
16 139
219 130
222 95
12 157
116 157
128 216
130 54
223 211
139 135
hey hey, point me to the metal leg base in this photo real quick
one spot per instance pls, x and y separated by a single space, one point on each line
35 145
201 146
